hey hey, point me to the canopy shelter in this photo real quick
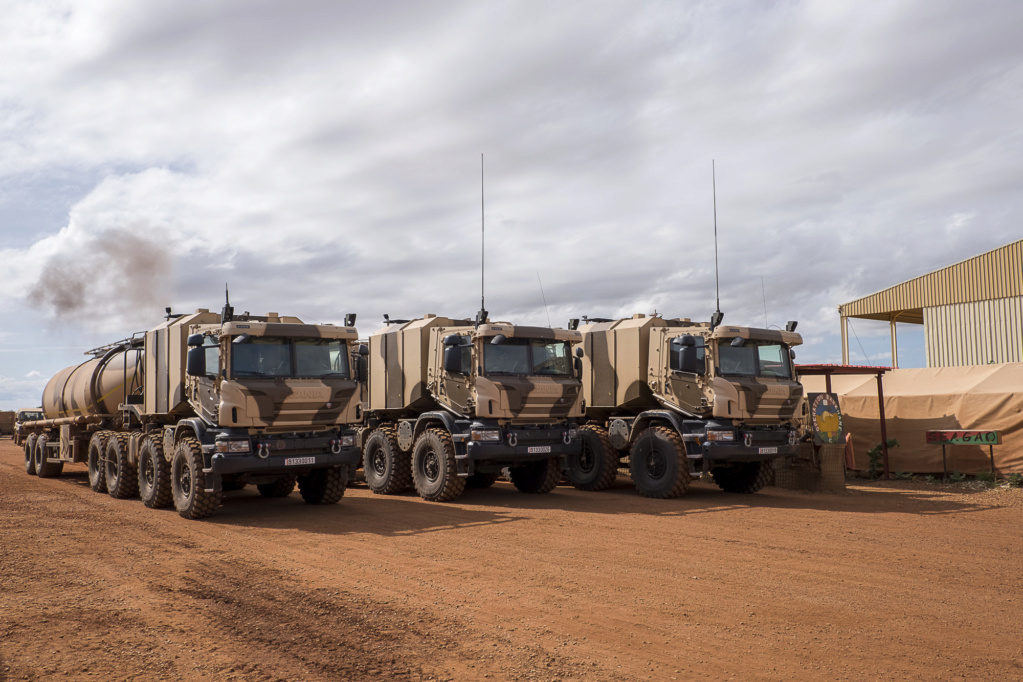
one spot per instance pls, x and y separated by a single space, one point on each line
827 371
983 397
972 311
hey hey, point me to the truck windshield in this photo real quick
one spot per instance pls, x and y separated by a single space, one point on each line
29 416
527 356
289 358
754 359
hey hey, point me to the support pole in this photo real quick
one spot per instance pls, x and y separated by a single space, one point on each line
844 328
884 429
895 343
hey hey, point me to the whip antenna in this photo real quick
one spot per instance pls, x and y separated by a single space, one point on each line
544 299
481 316
715 319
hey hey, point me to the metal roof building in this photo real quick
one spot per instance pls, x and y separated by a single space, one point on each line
972 311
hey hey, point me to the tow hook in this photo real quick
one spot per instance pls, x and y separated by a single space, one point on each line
513 440
747 440
263 450
566 438
335 447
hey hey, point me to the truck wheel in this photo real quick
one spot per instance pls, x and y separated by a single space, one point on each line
122 477
536 478
744 478
30 455
45 469
658 463
596 467
282 487
188 482
433 467
480 481
154 474
324 486
388 470
97 455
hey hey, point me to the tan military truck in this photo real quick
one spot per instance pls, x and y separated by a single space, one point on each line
25 414
678 399
451 403
203 403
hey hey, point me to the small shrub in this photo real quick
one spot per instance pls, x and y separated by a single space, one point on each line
874 455
904 476
957 477
932 480
986 478
1015 480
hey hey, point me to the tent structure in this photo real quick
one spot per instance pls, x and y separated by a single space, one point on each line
979 397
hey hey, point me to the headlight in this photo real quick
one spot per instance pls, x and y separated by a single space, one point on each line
347 441
793 437
573 433
721 435
233 446
493 436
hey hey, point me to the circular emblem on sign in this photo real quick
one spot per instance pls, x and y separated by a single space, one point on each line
827 418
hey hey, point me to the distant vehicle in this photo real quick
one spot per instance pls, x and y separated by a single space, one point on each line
25 414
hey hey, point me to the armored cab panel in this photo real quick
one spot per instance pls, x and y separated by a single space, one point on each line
95 387
616 363
398 362
166 349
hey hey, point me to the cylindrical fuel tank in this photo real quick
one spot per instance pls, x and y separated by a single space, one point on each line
95 387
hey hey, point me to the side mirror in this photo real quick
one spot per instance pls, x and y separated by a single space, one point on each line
452 340
363 350
715 318
360 369
737 342
686 340
195 364
195 340
578 351
498 340
453 359
577 363
792 354
687 361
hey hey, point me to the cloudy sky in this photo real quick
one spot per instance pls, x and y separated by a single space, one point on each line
323 157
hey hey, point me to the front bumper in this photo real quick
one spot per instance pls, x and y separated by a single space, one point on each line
529 445
283 456
732 452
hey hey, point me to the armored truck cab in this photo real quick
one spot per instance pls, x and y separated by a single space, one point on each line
680 399
450 404
205 402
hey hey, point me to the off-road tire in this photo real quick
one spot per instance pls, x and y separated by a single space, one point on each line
122 478
282 487
744 478
658 463
154 474
596 466
30 454
433 467
97 457
188 482
480 480
45 469
536 478
324 486
387 469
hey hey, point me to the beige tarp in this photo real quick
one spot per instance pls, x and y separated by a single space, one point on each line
982 397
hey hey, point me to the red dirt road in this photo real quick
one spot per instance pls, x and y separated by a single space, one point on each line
896 581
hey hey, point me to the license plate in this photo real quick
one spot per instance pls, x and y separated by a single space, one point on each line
769 451
535 449
298 461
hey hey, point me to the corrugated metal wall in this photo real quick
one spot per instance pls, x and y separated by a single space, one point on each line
974 333
992 275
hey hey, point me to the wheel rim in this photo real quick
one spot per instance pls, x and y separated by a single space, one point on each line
377 462
148 471
185 481
586 460
431 466
656 463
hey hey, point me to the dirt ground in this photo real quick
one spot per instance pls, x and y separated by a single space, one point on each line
886 581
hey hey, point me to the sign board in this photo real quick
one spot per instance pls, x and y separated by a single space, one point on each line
964 437
826 418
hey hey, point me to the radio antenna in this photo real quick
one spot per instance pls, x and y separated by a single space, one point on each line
544 299
481 316
715 319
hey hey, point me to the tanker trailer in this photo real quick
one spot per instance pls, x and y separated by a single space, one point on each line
207 402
